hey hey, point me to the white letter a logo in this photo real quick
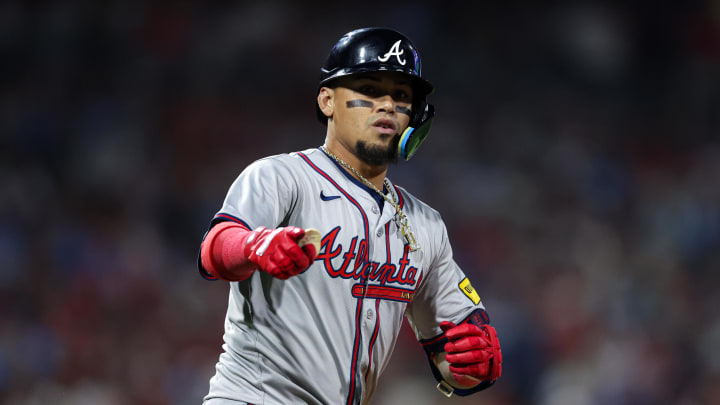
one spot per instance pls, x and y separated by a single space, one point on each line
394 51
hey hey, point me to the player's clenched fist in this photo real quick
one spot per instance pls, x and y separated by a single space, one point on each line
232 252
277 252
473 352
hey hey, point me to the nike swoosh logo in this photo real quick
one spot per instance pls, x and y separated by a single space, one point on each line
327 198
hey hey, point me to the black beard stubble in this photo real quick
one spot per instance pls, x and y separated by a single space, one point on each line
378 155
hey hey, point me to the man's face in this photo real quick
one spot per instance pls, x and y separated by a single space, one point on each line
370 112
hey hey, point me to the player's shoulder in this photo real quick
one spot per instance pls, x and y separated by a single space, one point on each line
416 207
289 161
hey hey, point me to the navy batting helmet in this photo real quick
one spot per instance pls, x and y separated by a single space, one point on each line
383 50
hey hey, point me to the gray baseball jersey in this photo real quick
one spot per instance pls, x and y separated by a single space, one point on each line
325 335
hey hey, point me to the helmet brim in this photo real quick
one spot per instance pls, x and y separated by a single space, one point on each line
421 87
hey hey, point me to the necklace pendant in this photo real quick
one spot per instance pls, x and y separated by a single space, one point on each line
408 235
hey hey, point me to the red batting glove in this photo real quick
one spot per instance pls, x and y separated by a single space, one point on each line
472 351
277 252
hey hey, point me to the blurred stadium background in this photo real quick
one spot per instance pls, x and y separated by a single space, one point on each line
575 158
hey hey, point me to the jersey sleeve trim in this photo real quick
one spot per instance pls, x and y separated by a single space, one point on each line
220 217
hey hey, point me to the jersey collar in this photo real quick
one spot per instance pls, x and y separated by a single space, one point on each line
377 197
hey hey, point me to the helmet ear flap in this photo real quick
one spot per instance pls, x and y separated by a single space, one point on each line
418 111
415 134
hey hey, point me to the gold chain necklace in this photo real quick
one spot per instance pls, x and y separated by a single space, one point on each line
402 220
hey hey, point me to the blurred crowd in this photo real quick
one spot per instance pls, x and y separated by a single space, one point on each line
575 158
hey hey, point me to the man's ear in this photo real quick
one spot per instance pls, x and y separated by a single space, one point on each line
326 101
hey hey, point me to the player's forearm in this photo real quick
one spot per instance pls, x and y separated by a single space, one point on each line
223 252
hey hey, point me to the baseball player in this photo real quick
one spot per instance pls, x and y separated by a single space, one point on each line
325 255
